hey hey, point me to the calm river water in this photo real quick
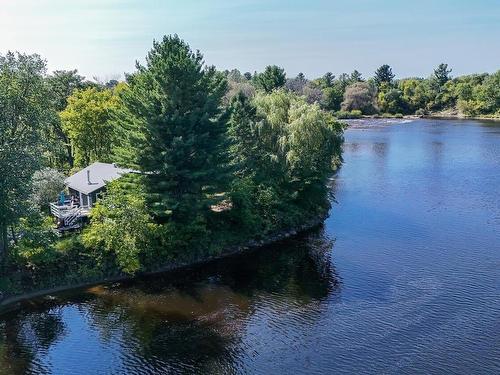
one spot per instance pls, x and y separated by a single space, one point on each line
404 277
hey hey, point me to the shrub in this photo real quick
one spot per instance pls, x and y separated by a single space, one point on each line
354 114
121 226
35 247
46 185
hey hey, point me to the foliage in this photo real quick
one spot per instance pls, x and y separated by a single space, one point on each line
271 79
173 106
24 115
349 114
238 83
297 84
332 98
87 120
383 75
120 225
62 84
242 133
46 185
298 142
442 74
392 101
360 96
222 157
35 245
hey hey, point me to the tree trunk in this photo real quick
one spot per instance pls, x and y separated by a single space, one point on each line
4 244
69 151
13 234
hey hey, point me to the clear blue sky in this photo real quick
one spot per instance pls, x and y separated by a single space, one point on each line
104 37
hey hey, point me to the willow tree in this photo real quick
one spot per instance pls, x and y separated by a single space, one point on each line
24 115
283 150
176 130
302 143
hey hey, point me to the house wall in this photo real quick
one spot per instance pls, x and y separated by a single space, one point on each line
85 199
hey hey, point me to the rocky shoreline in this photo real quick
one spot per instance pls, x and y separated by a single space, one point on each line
12 302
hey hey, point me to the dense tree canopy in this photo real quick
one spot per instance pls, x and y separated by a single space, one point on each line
24 117
87 121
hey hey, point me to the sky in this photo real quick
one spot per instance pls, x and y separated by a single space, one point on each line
104 38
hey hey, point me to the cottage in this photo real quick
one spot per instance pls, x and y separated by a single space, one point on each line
84 188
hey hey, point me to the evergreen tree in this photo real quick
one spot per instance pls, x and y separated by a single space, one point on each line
179 139
383 75
442 74
242 131
327 79
356 77
271 79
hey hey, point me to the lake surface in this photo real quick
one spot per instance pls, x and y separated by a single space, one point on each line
404 277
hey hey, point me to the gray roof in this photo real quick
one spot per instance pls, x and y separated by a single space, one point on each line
94 177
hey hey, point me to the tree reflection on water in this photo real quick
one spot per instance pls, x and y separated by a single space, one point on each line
191 320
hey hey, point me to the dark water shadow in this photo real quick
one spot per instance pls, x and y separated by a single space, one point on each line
192 319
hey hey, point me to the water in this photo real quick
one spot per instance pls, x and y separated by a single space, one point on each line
404 277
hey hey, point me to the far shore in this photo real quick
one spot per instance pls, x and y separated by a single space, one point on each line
436 116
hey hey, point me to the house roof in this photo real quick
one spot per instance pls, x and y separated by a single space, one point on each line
94 177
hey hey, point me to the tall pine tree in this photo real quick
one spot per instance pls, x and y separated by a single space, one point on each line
179 142
243 135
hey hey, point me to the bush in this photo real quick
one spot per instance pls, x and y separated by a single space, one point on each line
121 227
354 114
46 185
35 247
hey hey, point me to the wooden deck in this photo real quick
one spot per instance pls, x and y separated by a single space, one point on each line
70 216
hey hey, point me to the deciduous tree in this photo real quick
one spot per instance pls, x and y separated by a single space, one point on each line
24 117
360 96
87 120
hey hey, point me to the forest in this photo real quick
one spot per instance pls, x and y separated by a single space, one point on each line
220 157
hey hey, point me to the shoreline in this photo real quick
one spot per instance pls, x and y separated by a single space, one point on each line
458 117
13 302
430 117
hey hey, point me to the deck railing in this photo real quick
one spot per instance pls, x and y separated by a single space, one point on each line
64 211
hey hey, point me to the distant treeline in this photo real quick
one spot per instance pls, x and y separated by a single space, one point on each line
351 94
